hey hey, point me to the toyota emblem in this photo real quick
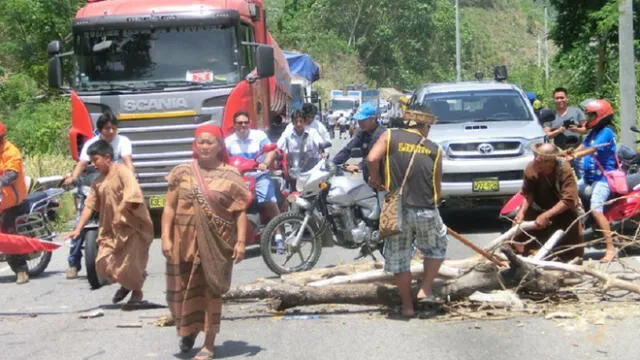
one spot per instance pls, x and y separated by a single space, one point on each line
485 148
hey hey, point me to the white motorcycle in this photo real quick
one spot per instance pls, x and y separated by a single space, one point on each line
329 201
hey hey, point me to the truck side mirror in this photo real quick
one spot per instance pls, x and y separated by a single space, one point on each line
55 72
54 47
265 61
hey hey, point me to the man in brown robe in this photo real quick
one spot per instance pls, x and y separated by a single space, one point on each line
552 200
126 230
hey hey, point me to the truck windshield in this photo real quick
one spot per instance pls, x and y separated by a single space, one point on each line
478 106
150 58
342 104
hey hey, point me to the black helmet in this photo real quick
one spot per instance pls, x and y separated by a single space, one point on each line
546 115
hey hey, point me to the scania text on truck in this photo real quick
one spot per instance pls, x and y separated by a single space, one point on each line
164 67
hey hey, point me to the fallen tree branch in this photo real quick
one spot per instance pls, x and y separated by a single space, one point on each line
381 276
610 282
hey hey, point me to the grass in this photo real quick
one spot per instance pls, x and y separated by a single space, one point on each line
48 165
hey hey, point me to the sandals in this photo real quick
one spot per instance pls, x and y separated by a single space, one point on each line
204 355
120 295
431 300
186 342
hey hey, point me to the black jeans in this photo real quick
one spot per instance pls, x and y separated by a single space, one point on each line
18 263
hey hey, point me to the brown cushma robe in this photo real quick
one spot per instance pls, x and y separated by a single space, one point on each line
193 304
541 189
125 233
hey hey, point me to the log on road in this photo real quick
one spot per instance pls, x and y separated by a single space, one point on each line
283 295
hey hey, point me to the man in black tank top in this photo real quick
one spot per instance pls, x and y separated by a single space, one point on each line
421 221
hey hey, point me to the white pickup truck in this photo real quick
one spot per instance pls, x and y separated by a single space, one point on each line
486 130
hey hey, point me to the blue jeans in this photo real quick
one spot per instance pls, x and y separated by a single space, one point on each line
75 252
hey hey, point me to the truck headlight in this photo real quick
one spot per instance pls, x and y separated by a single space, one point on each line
528 145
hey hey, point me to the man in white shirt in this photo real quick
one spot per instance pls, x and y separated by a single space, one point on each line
248 143
107 126
304 141
309 112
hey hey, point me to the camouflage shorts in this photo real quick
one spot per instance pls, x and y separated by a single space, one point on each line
424 229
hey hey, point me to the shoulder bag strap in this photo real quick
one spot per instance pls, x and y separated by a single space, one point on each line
413 157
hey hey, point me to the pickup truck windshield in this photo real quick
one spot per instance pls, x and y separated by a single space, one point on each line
130 59
478 106
342 104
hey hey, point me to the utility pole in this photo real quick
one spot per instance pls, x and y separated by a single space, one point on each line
627 73
458 69
546 45
539 49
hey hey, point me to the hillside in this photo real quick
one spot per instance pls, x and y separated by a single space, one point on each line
493 32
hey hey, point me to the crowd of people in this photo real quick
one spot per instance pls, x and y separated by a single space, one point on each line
204 222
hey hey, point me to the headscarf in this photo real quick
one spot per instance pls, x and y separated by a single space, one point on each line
215 131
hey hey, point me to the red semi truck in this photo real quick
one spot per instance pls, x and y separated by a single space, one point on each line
164 67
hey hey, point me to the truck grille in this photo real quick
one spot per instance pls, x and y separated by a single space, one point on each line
158 146
469 177
486 149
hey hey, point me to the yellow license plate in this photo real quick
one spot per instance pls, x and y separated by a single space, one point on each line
156 202
486 185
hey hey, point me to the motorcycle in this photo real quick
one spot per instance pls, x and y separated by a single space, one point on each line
330 201
257 221
621 214
34 218
89 235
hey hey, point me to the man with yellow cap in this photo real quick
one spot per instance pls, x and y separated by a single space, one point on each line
14 190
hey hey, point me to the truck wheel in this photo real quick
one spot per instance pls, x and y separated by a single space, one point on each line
90 254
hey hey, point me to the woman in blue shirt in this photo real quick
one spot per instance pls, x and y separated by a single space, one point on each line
598 151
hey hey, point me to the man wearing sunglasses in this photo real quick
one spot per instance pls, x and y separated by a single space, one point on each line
247 143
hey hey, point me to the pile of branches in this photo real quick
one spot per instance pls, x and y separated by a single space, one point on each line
492 268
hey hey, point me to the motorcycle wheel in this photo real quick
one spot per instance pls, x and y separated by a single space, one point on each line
286 223
90 254
37 265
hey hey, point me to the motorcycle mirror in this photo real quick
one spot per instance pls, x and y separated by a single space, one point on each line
325 146
356 153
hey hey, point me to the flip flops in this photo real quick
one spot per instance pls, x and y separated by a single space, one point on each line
140 305
204 355
431 300
120 295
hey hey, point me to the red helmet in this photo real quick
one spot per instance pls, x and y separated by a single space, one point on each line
596 111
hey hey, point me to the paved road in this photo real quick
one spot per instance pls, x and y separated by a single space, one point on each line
40 320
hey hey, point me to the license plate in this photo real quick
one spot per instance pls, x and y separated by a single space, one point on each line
486 185
156 202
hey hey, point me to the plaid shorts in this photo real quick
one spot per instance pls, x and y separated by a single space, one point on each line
422 227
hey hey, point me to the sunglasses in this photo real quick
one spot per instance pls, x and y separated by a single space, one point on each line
242 123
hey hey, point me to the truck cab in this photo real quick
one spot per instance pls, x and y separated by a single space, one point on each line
163 68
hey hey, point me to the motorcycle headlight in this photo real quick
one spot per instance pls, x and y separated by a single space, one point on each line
301 202
528 145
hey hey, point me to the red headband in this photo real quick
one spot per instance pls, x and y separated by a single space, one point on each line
215 131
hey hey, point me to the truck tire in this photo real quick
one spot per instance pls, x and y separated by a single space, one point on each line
90 255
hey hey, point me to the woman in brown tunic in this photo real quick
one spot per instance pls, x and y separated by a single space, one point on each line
203 231
552 200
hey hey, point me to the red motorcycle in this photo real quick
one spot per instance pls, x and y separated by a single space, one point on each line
258 221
